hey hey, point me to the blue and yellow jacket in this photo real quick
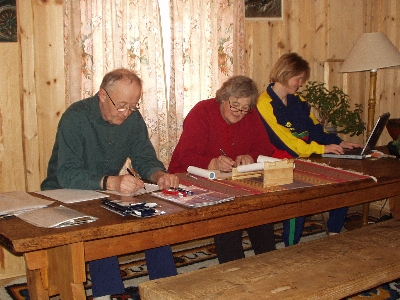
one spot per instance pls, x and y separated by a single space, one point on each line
293 128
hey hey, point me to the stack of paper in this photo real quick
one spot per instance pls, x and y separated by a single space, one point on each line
55 217
14 203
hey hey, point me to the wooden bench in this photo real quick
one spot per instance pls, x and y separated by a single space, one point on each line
328 268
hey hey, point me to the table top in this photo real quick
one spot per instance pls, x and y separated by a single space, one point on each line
20 237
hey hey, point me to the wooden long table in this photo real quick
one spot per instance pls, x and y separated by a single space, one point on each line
55 258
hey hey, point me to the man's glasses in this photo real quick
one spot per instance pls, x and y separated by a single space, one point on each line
235 108
123 109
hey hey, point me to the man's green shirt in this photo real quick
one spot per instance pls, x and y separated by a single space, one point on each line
87 148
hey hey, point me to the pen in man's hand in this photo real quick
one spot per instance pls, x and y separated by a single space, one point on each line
133 174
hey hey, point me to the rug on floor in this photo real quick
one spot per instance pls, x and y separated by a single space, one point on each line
197 255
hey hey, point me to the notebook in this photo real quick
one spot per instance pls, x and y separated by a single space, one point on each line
358 153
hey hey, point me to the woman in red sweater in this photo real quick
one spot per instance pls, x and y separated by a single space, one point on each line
229 122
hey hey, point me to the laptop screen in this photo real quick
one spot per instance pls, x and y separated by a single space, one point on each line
375 133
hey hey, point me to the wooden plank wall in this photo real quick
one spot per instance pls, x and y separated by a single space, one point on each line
323 32
33 85
32 70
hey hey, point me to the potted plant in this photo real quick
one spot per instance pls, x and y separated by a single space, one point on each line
333 108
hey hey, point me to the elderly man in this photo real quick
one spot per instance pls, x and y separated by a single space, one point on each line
95 137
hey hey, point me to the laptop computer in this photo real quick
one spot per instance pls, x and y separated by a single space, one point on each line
358 153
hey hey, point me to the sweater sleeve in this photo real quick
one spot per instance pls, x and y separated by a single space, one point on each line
285 136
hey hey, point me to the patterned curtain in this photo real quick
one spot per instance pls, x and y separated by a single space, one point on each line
102 35
208 46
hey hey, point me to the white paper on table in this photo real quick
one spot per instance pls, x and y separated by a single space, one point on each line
262 158
72 195
12 203
258 166
251 167
201 172
55 217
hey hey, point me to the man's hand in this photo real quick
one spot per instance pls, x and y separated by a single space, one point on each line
125 184
165 180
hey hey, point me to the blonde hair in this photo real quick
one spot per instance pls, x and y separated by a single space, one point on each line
288 66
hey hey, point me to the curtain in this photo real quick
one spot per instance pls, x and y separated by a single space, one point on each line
208 46
102 35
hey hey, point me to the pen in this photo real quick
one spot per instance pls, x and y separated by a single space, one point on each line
133 174
224 154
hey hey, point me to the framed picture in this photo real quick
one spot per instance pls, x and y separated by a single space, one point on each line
8 21
263 9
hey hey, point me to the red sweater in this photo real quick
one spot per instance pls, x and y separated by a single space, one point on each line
205 132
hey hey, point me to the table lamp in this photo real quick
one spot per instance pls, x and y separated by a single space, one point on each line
372 51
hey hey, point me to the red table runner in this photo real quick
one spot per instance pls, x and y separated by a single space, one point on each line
306 173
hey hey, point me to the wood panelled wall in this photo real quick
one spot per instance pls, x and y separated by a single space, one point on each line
323 32
32 77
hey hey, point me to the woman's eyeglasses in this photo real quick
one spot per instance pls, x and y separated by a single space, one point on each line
235 108
123 109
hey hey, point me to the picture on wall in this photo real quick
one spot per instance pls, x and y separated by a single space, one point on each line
263 9
8 21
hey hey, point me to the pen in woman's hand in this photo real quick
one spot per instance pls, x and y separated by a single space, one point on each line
133 174
224 154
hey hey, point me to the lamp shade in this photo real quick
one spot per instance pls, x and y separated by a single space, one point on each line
371 51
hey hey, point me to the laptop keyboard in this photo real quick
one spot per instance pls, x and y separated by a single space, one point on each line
355 151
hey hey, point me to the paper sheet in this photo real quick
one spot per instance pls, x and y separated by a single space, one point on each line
262 158
201 172
55 217
12 203
251 167
71 195
258 166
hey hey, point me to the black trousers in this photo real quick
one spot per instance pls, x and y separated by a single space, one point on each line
229 245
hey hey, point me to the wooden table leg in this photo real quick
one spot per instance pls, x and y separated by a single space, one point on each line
36 274
59 270
365 214
67 270
394 204
35 286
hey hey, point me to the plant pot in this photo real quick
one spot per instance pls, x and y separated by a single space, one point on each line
331 128
393 149
393 127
